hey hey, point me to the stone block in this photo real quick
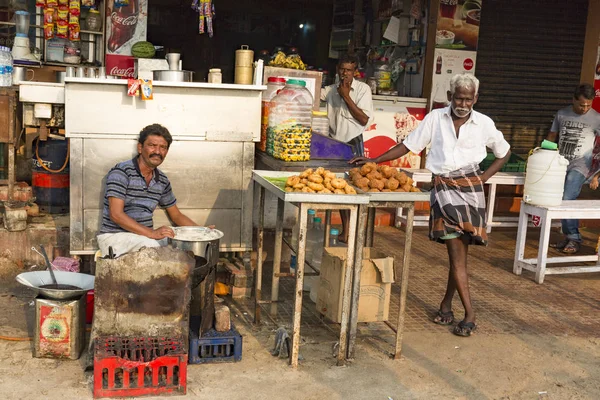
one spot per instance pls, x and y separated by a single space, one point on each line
222 318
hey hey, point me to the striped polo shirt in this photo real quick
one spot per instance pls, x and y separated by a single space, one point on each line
125 181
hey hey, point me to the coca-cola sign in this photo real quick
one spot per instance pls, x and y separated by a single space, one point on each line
121 66
468 64
125 26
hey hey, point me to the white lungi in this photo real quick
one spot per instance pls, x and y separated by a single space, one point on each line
126 242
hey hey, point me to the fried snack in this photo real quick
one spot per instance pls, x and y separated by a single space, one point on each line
362 182
355 176
339 191
330 175
406 187
306 189
304 181
365 169
374 175
375 184
292 180
399 190
325 190
386 190
349 189
387 171
320 171
326 181
306 173
315 178
328 186
288 189
374 190
338 183
297 190
392 184
415 189
354 171
364 188
409 181
317 187
402 178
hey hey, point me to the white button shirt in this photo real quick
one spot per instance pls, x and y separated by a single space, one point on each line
449 153
342 125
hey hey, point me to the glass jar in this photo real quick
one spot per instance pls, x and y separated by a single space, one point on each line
290 118
93 21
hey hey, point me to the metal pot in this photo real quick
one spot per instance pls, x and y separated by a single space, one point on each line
206 251
173 76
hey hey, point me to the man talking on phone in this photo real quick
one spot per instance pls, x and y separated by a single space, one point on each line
349 110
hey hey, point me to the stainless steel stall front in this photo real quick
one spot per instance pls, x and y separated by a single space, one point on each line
214 127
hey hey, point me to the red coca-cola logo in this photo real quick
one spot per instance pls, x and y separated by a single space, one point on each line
125 21
468 64
597 92
128 72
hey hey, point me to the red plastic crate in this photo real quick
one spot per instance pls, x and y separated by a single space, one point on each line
128 367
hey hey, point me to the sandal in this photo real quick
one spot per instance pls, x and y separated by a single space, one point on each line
444 318
572 247
464 329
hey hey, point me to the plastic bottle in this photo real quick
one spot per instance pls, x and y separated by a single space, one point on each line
274 84
334 238
3 66
545 177
8 69
315 239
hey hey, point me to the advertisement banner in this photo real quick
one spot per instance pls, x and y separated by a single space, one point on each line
458 24
125 26
447 64
392 124
596 103
121 66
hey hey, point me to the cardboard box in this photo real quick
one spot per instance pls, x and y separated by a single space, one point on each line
312 79
376 280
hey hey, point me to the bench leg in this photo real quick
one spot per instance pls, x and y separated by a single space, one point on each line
491 205
521 238
543 250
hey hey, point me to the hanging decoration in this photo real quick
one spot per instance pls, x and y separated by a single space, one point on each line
206 14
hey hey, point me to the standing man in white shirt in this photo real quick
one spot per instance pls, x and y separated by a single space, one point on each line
349 110
458 136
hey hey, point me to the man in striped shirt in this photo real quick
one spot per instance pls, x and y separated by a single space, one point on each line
134 189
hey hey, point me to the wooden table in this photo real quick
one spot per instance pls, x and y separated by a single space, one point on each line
569 209
501 178
304 201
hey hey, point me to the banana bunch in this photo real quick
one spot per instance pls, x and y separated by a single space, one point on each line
292 61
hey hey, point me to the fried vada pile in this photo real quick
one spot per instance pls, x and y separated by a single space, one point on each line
380 178
318 180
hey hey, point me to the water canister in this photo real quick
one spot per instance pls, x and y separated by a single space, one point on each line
290 119
545 178
50 177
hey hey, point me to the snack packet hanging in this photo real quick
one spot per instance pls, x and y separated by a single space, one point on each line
62 29
63 3
40 3
133 86
63 13
73 20
88 3
74 7
48 31
146 89
48 16
74 33
51 3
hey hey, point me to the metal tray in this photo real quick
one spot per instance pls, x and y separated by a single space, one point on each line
261 177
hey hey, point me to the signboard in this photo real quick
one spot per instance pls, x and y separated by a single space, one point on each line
125 26
448 63
458 24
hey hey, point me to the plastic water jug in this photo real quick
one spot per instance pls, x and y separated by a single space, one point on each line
545 178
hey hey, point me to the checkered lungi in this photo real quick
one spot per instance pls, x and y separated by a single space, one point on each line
458 205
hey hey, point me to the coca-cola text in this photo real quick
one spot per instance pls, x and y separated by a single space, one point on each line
123 23
468 64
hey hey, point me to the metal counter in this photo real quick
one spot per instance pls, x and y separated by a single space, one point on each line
209 164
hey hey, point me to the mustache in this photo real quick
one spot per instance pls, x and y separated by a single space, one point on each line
156 155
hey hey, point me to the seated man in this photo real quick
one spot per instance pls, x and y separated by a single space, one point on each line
134 189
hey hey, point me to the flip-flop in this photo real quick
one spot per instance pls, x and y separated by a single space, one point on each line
444 318
464 329
572 247
559 245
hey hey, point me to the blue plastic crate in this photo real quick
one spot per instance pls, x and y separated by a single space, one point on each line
215 347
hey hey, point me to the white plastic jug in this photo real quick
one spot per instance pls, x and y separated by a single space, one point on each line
545 178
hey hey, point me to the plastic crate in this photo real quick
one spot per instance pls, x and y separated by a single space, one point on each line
215 346
140 366
514 164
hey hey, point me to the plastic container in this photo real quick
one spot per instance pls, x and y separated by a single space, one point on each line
334 238
320 123
215 75
55 49
290 119
244 59
274 84
6 66
93 21
545 178
314 244
383 75
214 347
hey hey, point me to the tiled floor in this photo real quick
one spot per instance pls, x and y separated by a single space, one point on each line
504 302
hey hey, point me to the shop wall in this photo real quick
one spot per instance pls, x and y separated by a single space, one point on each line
529 61
259 24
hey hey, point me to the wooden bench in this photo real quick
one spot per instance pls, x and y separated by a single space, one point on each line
569 209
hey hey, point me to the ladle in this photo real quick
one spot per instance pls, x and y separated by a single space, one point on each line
54 285
48 264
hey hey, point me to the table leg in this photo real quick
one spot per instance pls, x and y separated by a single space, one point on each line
370 227
398 222
327 227
543 250
404 270
521 239
277 255
358 257
346 299
299 282
491 205
259 262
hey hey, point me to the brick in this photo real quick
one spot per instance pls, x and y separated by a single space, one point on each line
239 292
238 277
222 318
